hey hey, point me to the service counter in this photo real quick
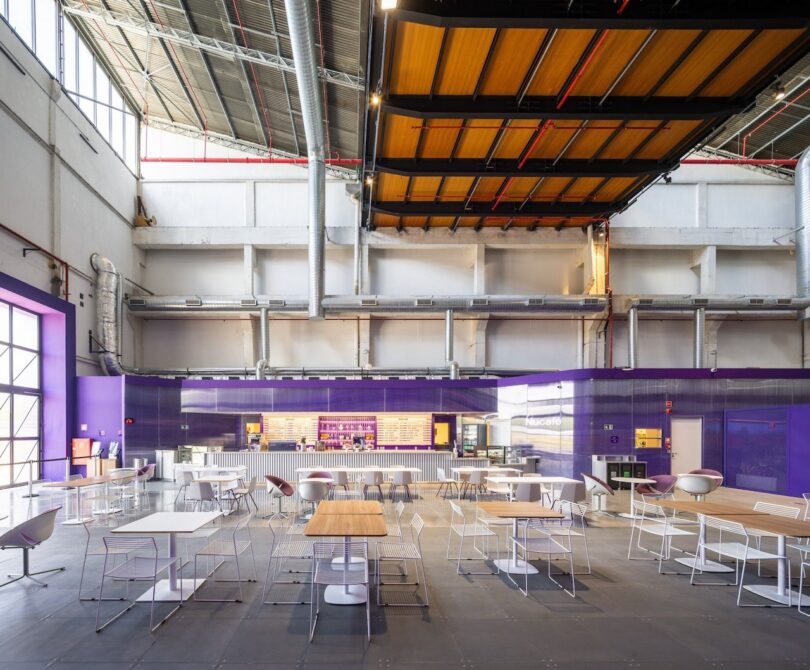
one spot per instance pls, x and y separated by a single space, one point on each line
285 463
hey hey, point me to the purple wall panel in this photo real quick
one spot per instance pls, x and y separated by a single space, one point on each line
358 399
798 461
414 399
482 400
301 400
213 430
236 399
756 449
100 407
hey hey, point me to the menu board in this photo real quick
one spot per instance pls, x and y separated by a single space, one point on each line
404 430
280 427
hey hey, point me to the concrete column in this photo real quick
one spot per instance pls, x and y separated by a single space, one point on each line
704 263
712 330
699 343
250 204
480 343
57 280
364 275
632 338
480 269
580 343
250 278
702 205
363 341
591 344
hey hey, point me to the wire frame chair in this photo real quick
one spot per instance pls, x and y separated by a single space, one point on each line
230 542
403 552
286 546
463 530
547 545
652 519
135 568
326 571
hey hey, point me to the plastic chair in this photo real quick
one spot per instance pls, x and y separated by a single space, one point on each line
312 492
340 478
664 485
403 478
326 571
373 478
278 489
598 490
696 485
445 482
245 493
464 530
528 492
402 552
135 568
476 481
200 493
226 544
712 473
188 477
29 535
573 492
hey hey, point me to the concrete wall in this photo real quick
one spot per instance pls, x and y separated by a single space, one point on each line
70 195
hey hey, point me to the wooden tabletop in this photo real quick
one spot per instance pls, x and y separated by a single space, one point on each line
705 507
770 523
168 522
349 507
346 525
519 510
90 481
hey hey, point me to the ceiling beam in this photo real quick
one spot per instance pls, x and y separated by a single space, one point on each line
652 14
504 209
532 107
473 167
221 48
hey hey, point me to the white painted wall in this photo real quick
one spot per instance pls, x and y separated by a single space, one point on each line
421 272
60 193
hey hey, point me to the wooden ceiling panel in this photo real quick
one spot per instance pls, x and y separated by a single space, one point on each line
511 60
487 188
582 188
666 140
385 220
515 141
628 139
617 49
390 187
520 187
666 46
439 137
468 221
555 138
422 189
478 137
464 56
416 52
561 59
400 136
441 221
759 54
613 188
497 221
700 63
590 139
550 186
456 188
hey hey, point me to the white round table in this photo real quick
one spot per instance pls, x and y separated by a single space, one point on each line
633 481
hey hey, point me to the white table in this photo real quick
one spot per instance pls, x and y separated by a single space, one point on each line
170 524
218 481
199 470
532 479
633 481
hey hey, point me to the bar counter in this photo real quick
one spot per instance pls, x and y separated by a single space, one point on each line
285 463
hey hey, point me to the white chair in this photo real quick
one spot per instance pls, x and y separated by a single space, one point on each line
804 553
326 571
740 551
445 482
697 486
27 536
94 547
402 552
528 492
200 493
477 482
312 492
245 493
136 568
339 478
404 479
285 547
395 529
787 511
229 543
651 519
188 477
373 478
346 495
463 530
806 497
543 543
598 490
574 516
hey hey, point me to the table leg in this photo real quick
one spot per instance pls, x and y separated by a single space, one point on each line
513 565
701 563
782 592
630 515
168 590
348 594
78 520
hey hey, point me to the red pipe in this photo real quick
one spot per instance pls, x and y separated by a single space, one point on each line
554 125
770 118
251 160
585 65
786 162
65 265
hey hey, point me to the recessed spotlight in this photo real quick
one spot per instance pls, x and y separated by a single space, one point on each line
387 5
369 180
778 92
375 99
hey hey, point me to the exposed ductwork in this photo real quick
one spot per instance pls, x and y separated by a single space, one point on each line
264 344
452 365
802 190
722 304
482 304
302 37
699 347
108 314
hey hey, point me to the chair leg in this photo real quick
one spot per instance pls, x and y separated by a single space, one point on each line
27 574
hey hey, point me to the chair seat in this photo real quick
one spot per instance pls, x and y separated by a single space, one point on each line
494 521
333 574
664 531
477 530
803 548
398 550
541 545
737 550
224 548
300 549
562 532
140 567
393 530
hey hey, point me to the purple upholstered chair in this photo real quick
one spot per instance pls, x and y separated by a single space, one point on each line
664 485
598 489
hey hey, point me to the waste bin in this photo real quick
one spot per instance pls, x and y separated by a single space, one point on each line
164 463
138 463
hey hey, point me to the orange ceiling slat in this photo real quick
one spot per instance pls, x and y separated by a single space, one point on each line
665 47
666 140
400 137
557 135
625 142
456 188
617 49
582 187
593 137
422 188
613 188
487 188
519 187
441 221
550 186
515 141
385 220
561 59
439 137
700 63
467 221
759 54
415 57
478 137
464 56
511 60
390 186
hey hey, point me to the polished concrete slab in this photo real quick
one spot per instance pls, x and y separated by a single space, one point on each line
625 615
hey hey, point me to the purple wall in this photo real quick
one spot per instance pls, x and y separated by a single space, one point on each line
100 408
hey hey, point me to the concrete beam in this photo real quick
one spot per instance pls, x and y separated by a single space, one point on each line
693 238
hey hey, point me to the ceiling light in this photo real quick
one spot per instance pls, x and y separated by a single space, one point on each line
778 92
375 99
385 5
369 180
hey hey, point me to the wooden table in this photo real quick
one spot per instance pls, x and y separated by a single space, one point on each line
515 511
335 507
633 481
169 524
80 484
782 528
349 526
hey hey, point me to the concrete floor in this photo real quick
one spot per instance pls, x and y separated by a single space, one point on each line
625 616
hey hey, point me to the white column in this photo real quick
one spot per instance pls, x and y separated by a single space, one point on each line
250 278
704 263
363 340
250 204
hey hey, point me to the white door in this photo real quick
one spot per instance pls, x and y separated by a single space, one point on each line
687 444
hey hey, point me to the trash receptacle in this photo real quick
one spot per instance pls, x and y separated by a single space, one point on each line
138 463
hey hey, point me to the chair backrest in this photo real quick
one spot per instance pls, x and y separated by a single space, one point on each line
649 511
806 497
417 524
312 491
572 492
251 485
528 492
400 508
696 484
319 474
403 477
31 532
340 494
188 477
571 508
717 477
723 525
353 549
340 477
283 487
456 510
779 510
442 475
200 491
596 486
478 477
373 477
664 483
130 544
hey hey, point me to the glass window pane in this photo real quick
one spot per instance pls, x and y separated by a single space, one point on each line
25 327
5 415
103 96
4 314
46 33
20 18
131 142
25 450
25 368
26 416
5 363
5 462
117 137
69 37
86 77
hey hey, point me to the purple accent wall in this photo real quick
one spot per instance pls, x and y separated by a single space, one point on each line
100 407
58 340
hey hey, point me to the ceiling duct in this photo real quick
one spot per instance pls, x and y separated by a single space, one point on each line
722 304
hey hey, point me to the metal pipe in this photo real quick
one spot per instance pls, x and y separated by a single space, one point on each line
107 288
249 160
580 344
632 338
722 304
302 38
700 338
786 162
802 196
448 336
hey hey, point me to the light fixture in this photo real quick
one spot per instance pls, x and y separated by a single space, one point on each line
667 178
375 99
778 92
387 5
369 180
